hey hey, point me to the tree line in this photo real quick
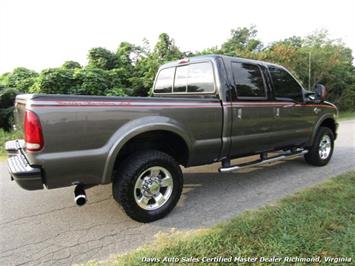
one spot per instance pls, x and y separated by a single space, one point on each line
130 70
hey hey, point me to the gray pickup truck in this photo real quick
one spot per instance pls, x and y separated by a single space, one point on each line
204 109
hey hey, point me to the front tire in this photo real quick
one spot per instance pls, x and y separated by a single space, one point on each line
148 185
322 150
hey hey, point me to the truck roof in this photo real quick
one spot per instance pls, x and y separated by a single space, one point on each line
214 56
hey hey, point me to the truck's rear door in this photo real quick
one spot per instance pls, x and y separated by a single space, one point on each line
252 112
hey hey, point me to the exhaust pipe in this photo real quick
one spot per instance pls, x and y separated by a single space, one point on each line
79 195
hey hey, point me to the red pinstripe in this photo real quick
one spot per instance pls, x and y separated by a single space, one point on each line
131 104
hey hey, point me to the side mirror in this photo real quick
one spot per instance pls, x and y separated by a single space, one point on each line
320 93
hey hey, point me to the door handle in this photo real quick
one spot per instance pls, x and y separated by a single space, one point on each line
317 110
239 113
277 112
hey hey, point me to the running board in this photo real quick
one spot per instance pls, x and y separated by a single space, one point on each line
262 161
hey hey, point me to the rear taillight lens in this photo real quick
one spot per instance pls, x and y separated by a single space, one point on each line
33 132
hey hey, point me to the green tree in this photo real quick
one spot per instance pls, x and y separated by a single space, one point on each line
102 58
294 41
148 63
4 80
71 65
132 68
330 63
119 82
56 81
128 54
93 81
22 79
166 50
242 39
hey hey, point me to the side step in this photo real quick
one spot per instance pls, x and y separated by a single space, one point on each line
262 161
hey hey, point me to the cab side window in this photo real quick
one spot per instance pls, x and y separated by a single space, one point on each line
248 81
285 86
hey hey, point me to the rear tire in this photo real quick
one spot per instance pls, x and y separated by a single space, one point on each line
322 150
148 185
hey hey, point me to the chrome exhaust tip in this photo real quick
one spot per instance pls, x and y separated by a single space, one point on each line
80 196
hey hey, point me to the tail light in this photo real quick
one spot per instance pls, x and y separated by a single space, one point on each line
33 132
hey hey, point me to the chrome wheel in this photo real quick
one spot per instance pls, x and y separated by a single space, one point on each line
153 188
325 147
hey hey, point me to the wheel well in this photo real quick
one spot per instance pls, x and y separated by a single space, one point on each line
161 140
330 123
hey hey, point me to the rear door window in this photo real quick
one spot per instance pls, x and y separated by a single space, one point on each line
248 81
285 87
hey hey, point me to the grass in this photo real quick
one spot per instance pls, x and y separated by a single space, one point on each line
347 115
319 221
5 136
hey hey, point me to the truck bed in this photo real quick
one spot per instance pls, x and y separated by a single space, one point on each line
79 129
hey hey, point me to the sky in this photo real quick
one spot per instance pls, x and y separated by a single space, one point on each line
38 34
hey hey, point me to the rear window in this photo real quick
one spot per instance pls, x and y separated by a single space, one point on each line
200 78
181 77
248 81
164 83
193 78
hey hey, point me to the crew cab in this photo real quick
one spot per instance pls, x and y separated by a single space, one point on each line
204 109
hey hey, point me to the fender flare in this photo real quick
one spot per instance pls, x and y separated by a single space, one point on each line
136 127
317 125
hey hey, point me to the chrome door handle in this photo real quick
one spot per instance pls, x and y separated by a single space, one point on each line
239 114
317 110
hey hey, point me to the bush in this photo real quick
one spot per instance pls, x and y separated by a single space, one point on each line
7 99
6 136
56 81
93 81
347 100
22 79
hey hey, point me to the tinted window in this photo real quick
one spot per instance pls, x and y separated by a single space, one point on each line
200 78
180 83
285 86
194 78
248 80
164 81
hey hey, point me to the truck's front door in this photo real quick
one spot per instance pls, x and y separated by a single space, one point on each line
292 120
251 110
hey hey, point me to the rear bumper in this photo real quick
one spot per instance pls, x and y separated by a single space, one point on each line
25 175
13 146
